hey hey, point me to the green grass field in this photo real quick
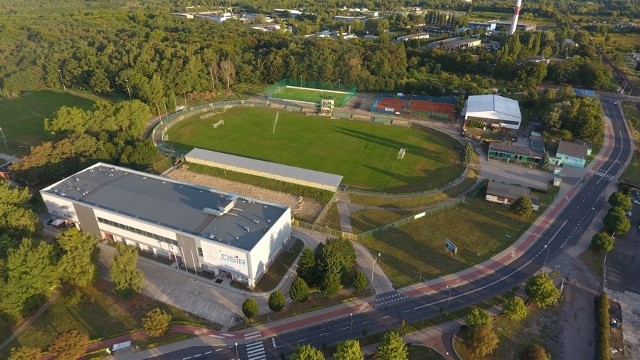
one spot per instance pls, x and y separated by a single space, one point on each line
314 96
364 153
22 118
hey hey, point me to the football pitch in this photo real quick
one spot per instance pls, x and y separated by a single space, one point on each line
22 119
365 154
313 96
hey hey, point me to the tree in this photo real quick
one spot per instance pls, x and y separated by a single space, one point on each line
306 352
535 352
522 206
331 284
514 308
250 308
621 200
478 316
348 350
467 154
483 340
277 301
299 291
616 221
359 280
30 272
541 290
123 271
24 353
228 72
307 266
392 347
69 345
602 241
78 264
156 322
337 255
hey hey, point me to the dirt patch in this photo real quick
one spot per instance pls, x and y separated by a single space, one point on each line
304 208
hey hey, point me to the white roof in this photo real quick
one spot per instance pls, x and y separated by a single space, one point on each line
493 106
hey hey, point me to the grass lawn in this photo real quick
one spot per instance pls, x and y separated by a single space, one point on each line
331 218
99 312
365 154
417 352
594 261
478 228
369 219
23 117
632 114
313 96
539 327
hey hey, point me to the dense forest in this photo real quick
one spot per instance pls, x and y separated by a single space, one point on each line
154 56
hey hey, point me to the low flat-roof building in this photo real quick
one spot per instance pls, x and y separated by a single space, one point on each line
205 229
507 194
292 174
418 36
515 154
488 26
493 110
572 154
456 43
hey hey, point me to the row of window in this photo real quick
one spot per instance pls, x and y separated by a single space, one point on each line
138 231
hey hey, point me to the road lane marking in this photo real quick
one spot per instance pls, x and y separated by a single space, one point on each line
323 334
384 317
209 352
366 322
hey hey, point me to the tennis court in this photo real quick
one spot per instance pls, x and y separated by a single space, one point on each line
389 104
430 109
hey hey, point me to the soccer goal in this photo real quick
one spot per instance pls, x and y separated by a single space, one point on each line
401 153
219 123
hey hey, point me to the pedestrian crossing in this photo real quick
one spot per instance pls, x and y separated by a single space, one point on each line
602 174
389 298
255 351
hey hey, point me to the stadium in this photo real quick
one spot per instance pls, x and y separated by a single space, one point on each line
365 154
310 92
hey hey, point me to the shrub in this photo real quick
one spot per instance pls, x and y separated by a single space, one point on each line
299 291
477 317
541 290
535 352
250 308
602 241
604 352
514 308
276 301
156 322
483 340
69 345
359 280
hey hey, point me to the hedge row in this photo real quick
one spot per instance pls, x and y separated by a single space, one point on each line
604 333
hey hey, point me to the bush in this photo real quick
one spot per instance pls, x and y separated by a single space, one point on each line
514 308
24 353
483 340
250 308
330 284
359 280
299 291
477 317
277 301
541 290
604 351
69 345
602 241
535 352
156 322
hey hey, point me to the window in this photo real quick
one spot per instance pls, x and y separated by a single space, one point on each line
200 251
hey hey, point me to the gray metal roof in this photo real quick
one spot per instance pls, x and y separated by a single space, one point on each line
517 150
171 204
506 190
572 149
267 167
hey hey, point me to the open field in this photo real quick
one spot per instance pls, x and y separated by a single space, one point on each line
96 310
364 153
22 118
310 95
416 250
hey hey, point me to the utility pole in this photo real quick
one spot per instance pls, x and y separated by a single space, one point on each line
62 80
373 269
547 257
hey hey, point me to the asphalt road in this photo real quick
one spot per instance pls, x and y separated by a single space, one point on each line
391 308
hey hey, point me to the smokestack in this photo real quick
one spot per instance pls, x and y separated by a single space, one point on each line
516 14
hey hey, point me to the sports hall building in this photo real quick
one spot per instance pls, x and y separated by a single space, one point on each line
205 229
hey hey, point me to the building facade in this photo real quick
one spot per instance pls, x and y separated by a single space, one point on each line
572 154
206 230
493 111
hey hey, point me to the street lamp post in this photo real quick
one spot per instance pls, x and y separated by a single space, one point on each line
449 299
238 356
546 257
351 314
373 269
62 80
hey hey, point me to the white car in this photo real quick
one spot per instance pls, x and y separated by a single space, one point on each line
629 213
636 202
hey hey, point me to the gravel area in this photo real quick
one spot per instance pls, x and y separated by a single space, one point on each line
303 208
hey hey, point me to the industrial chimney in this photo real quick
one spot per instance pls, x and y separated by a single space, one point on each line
516 13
